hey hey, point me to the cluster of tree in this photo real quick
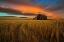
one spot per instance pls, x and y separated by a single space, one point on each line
41 17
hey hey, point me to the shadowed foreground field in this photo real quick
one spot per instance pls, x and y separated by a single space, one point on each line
31 31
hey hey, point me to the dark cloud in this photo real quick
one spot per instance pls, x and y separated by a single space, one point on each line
9 10
59 5
21 2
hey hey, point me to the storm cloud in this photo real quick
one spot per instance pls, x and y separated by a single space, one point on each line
9 10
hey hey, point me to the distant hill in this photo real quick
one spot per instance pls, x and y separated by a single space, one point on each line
13 18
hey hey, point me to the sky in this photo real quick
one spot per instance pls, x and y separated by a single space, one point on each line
50 8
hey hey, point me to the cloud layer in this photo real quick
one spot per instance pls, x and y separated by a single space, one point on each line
49 7
9 10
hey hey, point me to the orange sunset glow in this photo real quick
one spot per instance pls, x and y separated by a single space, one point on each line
33 9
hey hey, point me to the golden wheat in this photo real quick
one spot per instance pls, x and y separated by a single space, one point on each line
31 31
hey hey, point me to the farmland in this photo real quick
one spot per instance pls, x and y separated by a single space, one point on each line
31 30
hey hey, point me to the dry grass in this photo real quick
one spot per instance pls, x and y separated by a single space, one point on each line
31 31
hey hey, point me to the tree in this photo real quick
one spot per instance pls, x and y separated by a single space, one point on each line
41 17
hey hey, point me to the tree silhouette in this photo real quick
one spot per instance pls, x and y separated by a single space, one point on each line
41 17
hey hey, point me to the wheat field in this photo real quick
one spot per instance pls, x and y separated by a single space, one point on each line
31 30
